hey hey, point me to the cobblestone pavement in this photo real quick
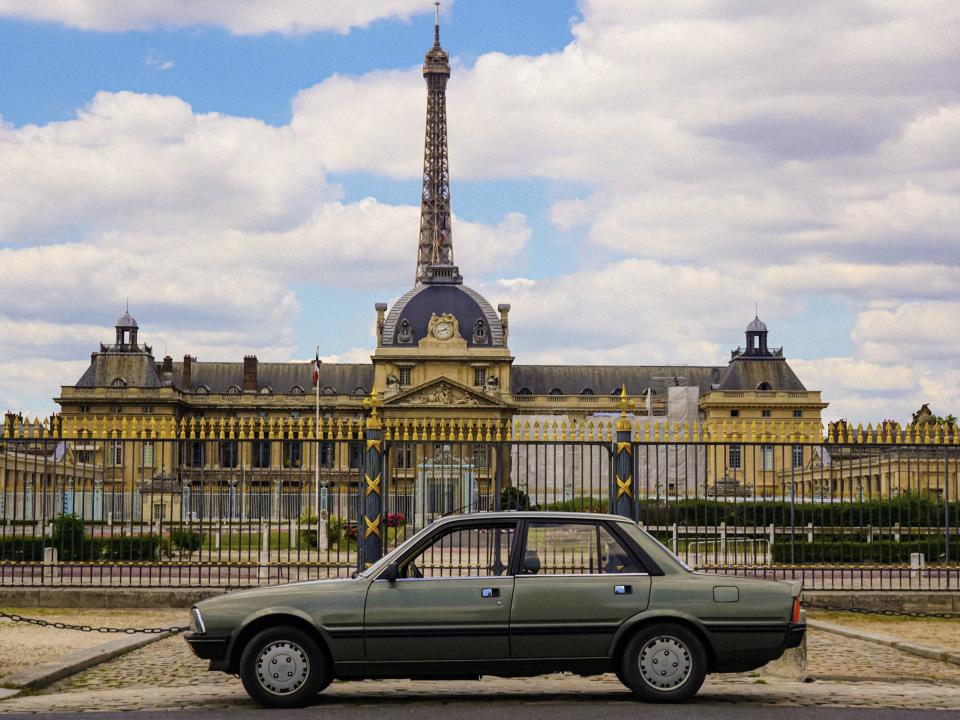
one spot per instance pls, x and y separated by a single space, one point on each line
166 675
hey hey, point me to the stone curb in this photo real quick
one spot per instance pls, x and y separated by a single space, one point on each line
47 673
925 651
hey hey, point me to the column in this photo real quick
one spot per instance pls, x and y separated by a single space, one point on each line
369 535
624 500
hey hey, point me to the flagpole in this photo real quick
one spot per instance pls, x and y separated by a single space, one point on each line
316 462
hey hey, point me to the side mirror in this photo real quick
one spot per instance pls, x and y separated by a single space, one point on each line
391 573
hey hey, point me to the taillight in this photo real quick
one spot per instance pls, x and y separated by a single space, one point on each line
795 617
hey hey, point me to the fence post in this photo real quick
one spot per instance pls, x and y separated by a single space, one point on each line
370 540
810 532
723 541
624 503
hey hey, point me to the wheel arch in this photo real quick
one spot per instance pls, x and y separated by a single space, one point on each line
264 620
640 622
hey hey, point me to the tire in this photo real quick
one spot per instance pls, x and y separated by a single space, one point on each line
682 672
300 669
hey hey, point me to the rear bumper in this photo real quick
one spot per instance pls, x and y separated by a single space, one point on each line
208 648
795 633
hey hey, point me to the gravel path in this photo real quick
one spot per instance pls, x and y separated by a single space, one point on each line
927 631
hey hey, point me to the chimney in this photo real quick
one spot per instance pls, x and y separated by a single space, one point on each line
250 373
504 309
381 309
93 358
167 366
187 371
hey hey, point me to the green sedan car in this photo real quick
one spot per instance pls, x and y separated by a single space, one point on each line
506 594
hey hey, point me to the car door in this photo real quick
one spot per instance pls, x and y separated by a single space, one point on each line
578 581
452 599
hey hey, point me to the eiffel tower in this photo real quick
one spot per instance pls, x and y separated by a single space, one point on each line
435 251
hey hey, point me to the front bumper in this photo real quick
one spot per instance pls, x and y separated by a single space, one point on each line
207 647
795 633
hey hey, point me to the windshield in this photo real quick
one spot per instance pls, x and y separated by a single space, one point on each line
393 554
645 539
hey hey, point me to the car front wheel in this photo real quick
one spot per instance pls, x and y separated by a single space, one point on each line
283 667
664 663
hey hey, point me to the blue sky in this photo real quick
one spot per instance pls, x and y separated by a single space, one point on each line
633 176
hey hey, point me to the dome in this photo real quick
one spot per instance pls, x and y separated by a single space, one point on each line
126 321
409 318
756 325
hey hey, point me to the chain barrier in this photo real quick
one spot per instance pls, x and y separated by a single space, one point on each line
896 613
88 628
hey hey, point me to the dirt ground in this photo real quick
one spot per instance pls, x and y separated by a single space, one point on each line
22 644
940 632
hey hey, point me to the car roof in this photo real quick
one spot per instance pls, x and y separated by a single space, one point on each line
532 514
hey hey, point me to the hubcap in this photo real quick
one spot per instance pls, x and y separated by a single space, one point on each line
282 667
664 662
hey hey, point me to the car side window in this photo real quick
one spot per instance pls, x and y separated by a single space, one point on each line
464 552
559 548
614 557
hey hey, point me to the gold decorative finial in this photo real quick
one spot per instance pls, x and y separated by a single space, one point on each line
625 404
372 404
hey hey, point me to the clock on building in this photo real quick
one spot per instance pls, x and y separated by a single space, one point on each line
443 330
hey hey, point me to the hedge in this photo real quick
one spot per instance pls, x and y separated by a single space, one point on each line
120 547
880 551
21 549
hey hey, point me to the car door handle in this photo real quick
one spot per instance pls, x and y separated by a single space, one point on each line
622 589
490 592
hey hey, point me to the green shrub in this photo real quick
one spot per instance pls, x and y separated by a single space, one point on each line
71 542
20 549
131 547
185 539
513 498
853 551
580 503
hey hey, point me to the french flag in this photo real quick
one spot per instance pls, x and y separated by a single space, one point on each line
316 368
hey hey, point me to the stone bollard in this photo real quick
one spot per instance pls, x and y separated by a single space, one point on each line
792 665
51 568
263 557
917 564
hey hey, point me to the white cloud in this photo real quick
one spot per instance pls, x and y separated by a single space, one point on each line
246 17
156 62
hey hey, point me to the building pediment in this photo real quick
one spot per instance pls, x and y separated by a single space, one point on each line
444 393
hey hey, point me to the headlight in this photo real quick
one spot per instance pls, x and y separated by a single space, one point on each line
196 622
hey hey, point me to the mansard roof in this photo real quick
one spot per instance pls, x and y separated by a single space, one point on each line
219 377
604 379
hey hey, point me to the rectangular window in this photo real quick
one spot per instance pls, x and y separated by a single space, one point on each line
561 549
84 456
798 413
116 409
734 457
766 457
326 454
404 456
479 376
261 453
765 413
158 511
479 456
292 454
356 455
797 456
84 408
147 454
405 376
148 409
734 413
194 455
467 552
229 453
116 453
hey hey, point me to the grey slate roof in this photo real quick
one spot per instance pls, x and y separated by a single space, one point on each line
418 304
218 377
748 373
604 379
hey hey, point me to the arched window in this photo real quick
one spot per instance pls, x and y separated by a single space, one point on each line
555 391
296 390
234 390
587 391
202 390
764 386
615 391
118 382
359 391
524 391
265 390
328 391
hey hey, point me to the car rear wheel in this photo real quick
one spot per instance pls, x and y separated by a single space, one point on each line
283 667
663 663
